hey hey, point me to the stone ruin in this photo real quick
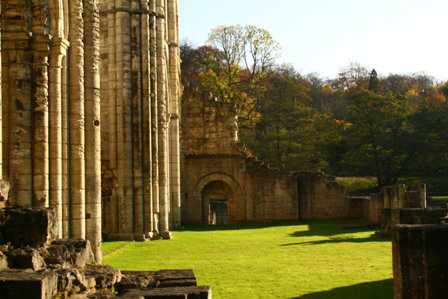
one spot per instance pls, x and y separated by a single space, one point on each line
402 204
419 239
89 100
221 181
35 264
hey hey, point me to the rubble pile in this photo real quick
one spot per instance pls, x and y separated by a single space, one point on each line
34 264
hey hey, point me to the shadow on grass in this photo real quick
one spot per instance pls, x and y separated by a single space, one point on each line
335 240
240 226
369 290
332 230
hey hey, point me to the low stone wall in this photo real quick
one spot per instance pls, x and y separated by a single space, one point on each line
420 261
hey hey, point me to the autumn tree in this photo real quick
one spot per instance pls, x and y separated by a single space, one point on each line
248 53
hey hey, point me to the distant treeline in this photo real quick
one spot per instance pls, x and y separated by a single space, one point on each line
357 124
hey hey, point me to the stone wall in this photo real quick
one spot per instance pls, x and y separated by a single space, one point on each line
140 113
218 169
51 111
322 198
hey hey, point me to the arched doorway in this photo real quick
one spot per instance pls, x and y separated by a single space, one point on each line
217 203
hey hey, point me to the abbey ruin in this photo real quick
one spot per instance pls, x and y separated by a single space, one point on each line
90 100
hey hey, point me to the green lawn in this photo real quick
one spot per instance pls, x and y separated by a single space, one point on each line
281 260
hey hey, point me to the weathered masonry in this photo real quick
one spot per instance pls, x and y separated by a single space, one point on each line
89 114
140 118
221 182
50 111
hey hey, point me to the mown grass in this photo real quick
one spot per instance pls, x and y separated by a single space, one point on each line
282 260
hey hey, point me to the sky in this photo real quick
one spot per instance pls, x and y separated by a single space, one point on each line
322 36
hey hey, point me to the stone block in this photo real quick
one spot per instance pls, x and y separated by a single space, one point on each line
73 282
420 261
105 276
27 284
192 292
25 258
135 280
75 252
33 227
175 278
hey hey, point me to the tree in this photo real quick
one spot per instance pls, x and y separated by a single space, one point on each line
247 54
378 136
352 78
291 134
429 140
374 83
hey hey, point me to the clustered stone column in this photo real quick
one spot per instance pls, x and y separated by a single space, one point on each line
140 141
51 111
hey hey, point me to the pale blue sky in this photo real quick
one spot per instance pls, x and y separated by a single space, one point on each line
392 36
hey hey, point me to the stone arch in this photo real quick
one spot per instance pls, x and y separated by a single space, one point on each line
237 194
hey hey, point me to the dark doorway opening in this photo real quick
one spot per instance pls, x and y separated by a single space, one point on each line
218 211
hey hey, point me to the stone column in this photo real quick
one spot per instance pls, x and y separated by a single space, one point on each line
162 108
1 103
92 126
65 117
137 120
57 54
77 121
174 69
40 44
154 115
124 119
110 103
146 120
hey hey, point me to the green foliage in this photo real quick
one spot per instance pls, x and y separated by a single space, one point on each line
429 140
291 134
374 83
397 128
277 260
377 135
